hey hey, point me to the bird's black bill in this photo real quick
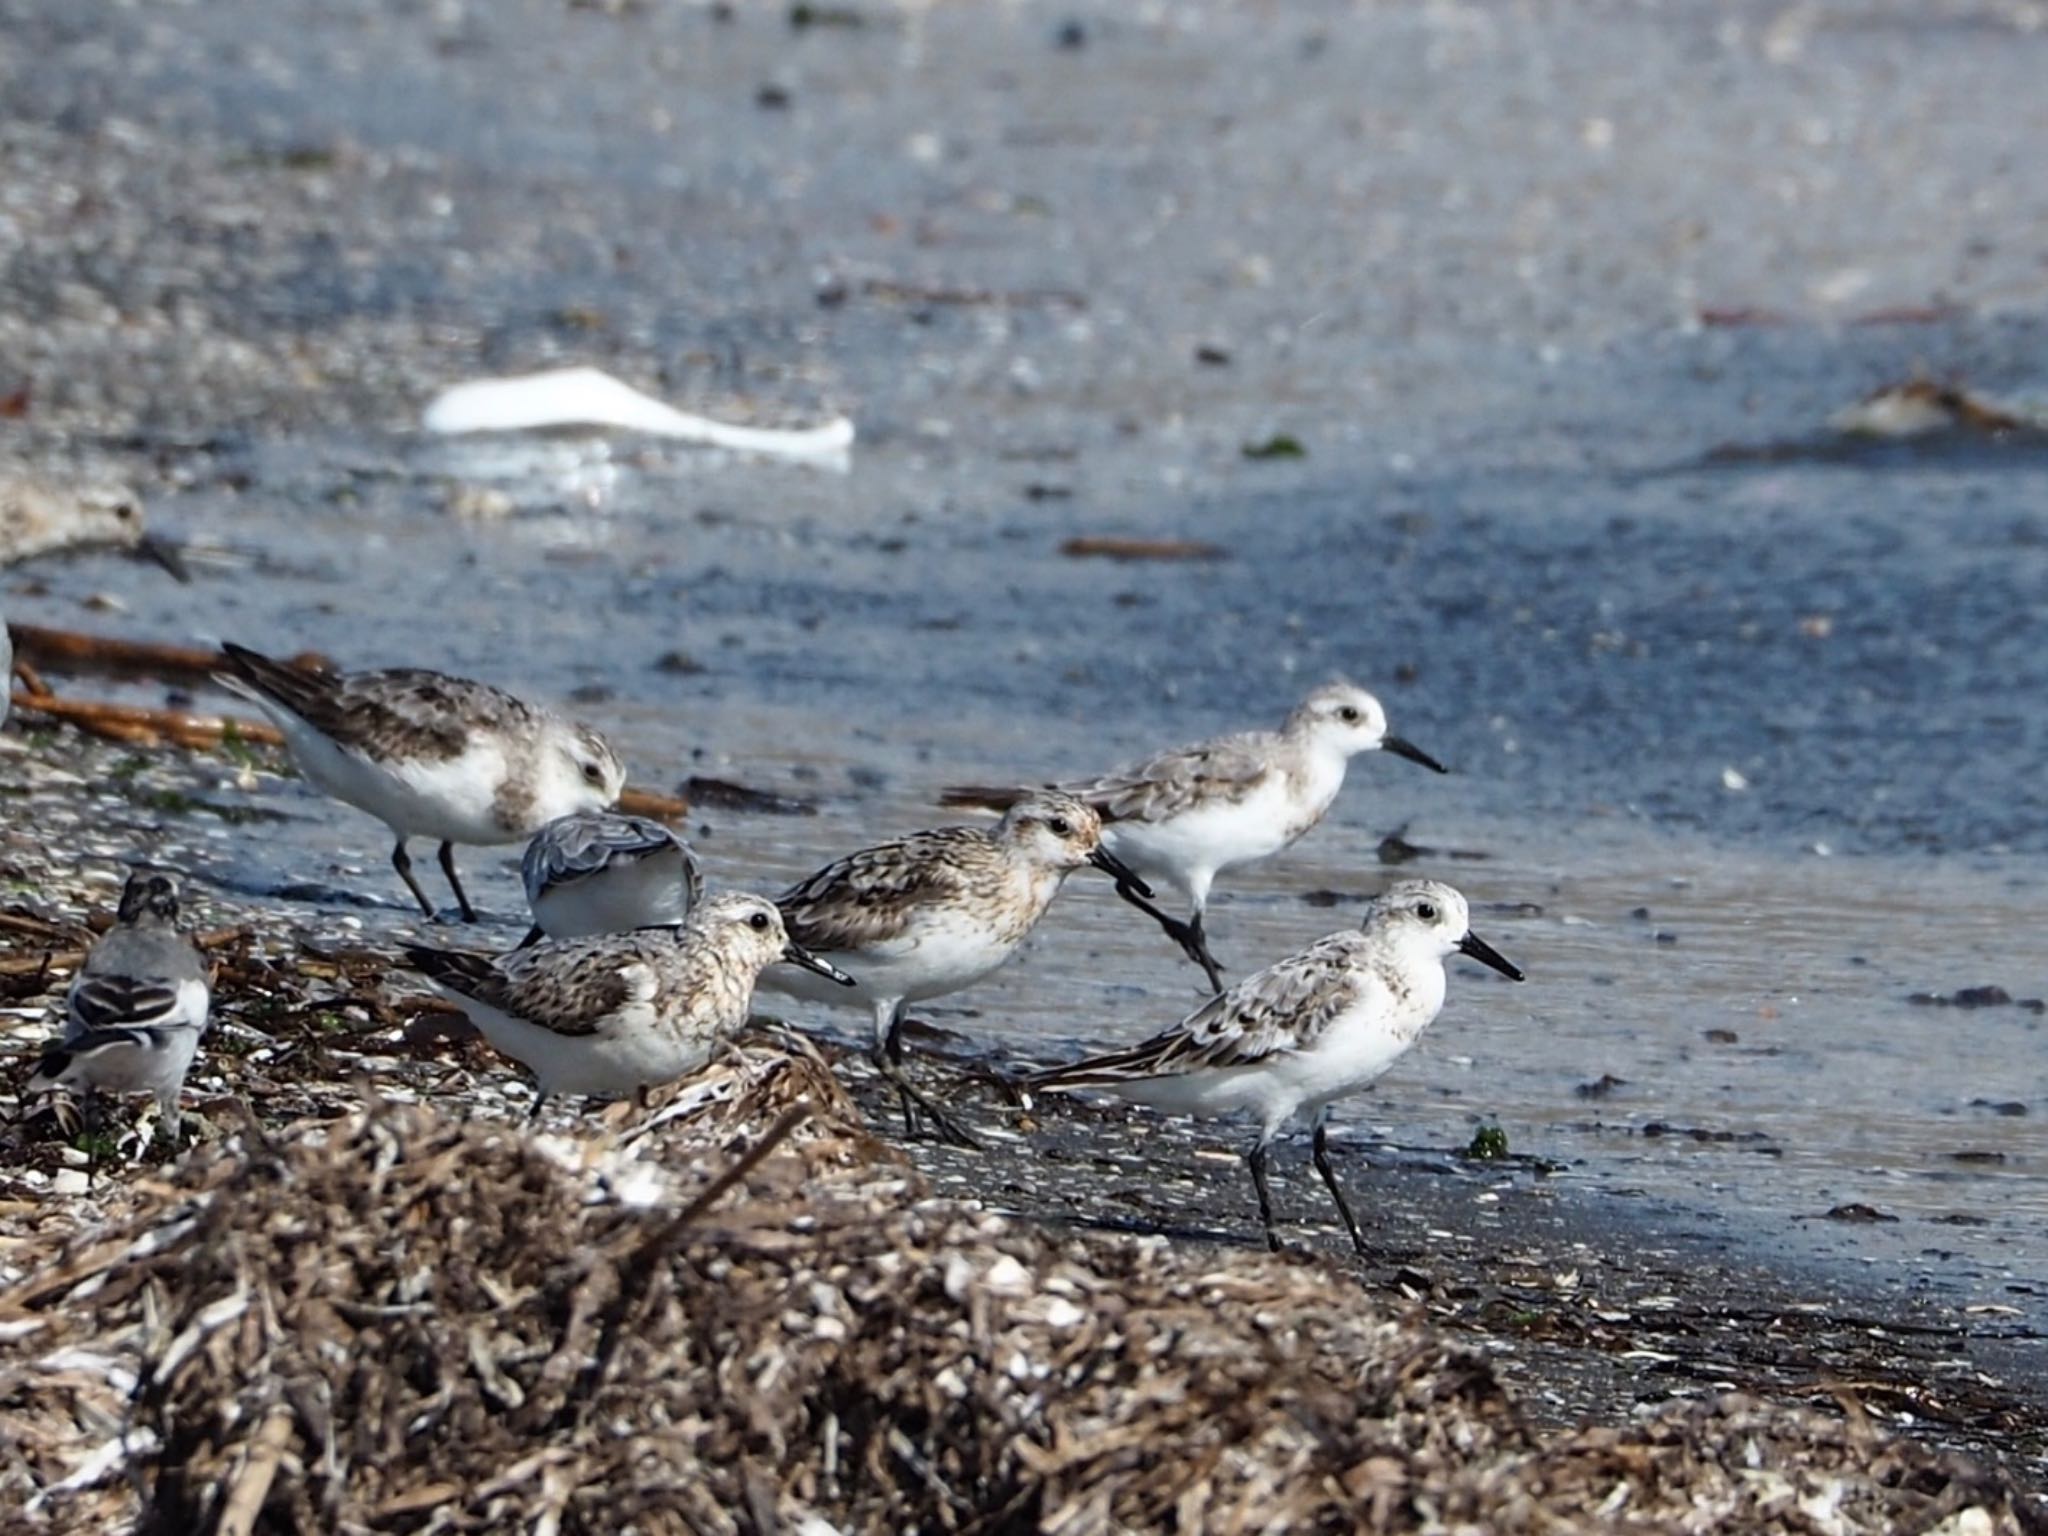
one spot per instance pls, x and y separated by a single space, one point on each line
163 552
1119 871
796 954
1486 954
1402 748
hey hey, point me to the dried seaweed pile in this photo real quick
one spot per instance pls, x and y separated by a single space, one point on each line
397 1322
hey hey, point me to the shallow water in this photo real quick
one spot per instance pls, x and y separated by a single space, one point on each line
1402 227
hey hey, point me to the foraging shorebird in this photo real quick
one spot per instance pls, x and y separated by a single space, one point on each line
594 872
608 1015
137 1007
931 913
1184 816
431 755
1303 1032
39 516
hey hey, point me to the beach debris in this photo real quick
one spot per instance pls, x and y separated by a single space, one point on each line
725 795
1857 1211
394 1319
1278 446
1922 408
1105 546
586 397
834 290
141 727
1989 995
1489 1144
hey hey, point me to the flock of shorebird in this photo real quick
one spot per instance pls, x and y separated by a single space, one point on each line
632 974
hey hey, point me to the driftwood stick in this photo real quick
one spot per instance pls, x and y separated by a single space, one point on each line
259 1470
149 727
65 650
652 802
71 959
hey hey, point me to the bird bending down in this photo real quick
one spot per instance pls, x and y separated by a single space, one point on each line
137 1007
431 755
594 872
608 1015
934 912
1303 1032
1184 816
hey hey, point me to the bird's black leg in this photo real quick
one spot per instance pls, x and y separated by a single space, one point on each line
1329 1173
533 937
1197 946
888 1061
455 885
402 862
1256 1161
1188 935
540 1100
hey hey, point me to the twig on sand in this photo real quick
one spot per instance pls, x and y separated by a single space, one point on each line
149 727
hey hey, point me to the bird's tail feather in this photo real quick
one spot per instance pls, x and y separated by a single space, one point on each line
454 969
261 679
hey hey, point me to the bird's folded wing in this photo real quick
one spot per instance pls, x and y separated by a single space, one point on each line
404 712
1226 769
100 1002
572 988
868 897
1286 1007
577 847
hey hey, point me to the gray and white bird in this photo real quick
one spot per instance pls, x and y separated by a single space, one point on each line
1184 816
137 1007
1303 1032
608 1015
928 914
596 872
431 755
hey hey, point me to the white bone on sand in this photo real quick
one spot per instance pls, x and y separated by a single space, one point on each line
585 397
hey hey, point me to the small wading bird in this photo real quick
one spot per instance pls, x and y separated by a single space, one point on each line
596 872
431 755
136 1009
608 1015
1304 1032
931 913
1184 816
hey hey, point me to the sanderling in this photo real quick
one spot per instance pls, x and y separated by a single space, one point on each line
136 1008
594 872
1303 1032
39 515
431 755
934 912
1184 816
611 1014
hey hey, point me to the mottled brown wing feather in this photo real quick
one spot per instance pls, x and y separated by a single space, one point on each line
866 897
1285 1007
400 712
571 995
1227 769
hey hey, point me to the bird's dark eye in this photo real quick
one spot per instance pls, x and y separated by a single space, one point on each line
593 773
1426 910
1348 714
758 922
1059 826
